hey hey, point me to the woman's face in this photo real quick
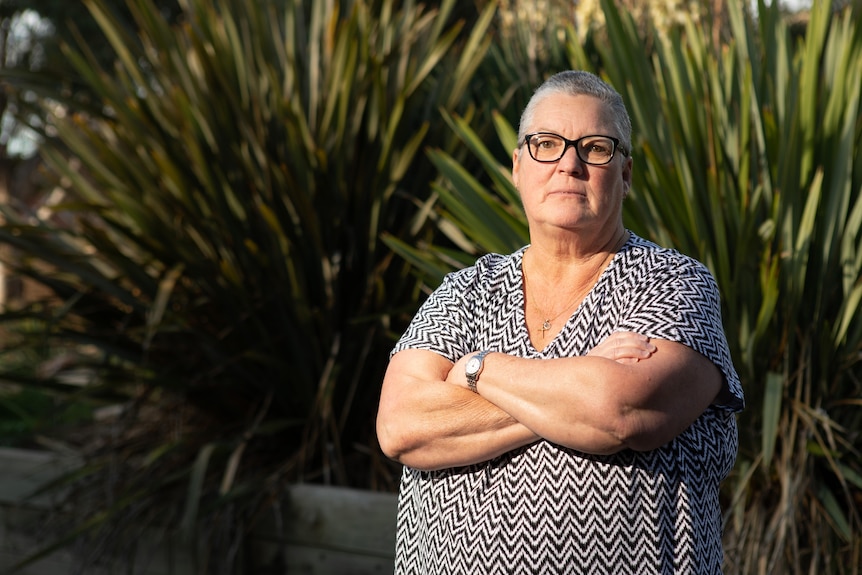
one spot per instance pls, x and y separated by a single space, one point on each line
571 194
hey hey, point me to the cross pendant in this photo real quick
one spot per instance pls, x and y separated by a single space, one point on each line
546 325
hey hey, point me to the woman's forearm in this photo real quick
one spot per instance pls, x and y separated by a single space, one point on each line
428 423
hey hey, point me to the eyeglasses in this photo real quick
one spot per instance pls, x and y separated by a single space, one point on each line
547 147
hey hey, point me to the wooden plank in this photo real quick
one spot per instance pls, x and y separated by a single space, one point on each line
328 530
342 518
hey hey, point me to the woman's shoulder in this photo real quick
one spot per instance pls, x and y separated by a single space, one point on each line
490 270
648 253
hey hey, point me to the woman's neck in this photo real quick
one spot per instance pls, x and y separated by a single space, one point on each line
572 261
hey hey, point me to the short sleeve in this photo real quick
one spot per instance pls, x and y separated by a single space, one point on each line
441 322
681 303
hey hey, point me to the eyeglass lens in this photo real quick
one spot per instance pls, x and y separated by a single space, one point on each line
590 149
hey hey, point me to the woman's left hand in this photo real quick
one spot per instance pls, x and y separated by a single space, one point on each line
624 347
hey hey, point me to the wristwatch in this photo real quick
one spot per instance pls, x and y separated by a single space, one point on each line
474 368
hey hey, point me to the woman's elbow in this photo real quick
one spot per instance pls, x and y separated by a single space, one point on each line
645 431
390 441
398 440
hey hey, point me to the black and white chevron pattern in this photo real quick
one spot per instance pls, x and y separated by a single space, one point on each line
545 509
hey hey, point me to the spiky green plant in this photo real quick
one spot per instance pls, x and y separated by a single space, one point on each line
751 155
747 156
215 269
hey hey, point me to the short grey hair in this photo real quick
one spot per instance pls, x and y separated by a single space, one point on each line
581 83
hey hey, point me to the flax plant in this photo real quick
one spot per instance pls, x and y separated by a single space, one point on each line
214 265
747 154
751 151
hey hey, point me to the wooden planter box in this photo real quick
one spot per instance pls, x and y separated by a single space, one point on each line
332 530
324 530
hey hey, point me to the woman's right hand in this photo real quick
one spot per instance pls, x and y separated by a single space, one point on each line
624 347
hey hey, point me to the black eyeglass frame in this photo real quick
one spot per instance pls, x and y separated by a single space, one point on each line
574 144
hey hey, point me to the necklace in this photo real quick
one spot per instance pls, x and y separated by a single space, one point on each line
546 325
549 321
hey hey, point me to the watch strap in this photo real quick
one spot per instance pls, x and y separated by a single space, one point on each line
473 378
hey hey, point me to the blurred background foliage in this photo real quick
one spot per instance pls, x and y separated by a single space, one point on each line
236 211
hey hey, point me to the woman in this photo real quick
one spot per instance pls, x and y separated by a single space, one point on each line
568 408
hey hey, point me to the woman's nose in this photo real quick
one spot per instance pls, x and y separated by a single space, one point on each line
570 162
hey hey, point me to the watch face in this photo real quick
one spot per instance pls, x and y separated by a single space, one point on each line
473 365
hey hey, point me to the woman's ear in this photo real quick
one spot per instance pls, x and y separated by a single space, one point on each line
627 175
516 165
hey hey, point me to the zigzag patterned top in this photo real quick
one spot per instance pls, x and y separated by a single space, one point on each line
546 509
